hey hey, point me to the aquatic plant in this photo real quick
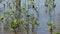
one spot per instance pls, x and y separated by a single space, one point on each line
50 7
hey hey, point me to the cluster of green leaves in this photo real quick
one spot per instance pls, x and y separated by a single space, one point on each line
22 20
50 5
31 3
58 33
51 23
0 1
34 21
1 19
26 26
30 18
13 24
7 12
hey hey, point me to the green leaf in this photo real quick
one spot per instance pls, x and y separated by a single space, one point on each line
58 33
15 20
33 22
0 1
13 24
46 4
11 29
30 5
52 32
22 20
7 12
24 8
27 15
12 10
26 25
49 28
1 18
51 23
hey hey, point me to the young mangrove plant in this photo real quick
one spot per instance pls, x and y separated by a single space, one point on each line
20 18
34 21
29 18
26 18
34 24
15 24
50 5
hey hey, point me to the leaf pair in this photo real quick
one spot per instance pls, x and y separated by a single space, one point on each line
51 23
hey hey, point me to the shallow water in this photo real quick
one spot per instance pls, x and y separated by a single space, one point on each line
44 18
